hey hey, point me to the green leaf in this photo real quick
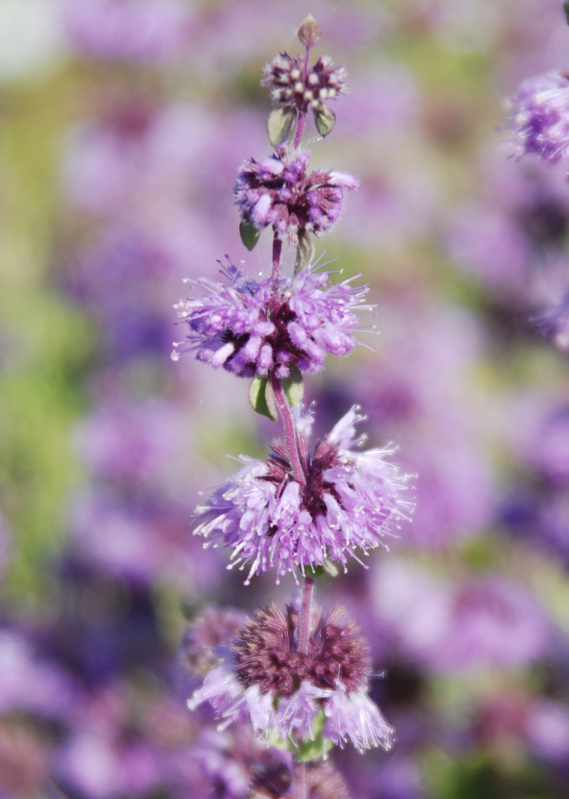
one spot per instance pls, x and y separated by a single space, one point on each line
279 125
262 398
304 252
249 234
309 750
325 121
293 386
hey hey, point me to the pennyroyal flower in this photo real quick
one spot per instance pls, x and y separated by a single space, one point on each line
292 695
250 330
349 501
539 117
295 86
279 191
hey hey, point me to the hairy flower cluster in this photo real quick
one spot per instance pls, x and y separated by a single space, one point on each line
539 117
347 503
285 692
266 653
250 329
279 191
322 782
295 86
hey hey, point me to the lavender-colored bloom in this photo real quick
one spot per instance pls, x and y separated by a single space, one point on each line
554 322
214 628
30 684
539 117
349 502
483 622
97 766
278 191
139 442
250 329
139 30
547 730
293 85
283 691
356 718
232 763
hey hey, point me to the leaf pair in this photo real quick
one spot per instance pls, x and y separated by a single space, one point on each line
281 123
262 396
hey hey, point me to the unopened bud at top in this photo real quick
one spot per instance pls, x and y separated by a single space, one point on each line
309 32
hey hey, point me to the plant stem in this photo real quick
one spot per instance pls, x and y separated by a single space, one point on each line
300 786
299 129
290 432
276 273
302 116
304 615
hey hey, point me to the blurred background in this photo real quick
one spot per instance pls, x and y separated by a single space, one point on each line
122 125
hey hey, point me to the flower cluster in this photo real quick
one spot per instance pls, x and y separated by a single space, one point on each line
322 782
348 502
299 678
279 191
250 329
293 85
292 695
539 117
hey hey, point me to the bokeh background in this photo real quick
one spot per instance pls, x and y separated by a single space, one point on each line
122 124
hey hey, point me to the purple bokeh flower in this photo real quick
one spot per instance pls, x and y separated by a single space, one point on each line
480 622
539 117
284 691
232 764
349 503
278 191
29 683
214 628
138 30
137 442
250 329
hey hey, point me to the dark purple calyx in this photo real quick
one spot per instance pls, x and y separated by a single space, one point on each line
285 351
326 456
266 653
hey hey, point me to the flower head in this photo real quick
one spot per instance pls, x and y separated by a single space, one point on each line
322 782
539 117
206 635
292 84
250 329
292 695
348 502
279 191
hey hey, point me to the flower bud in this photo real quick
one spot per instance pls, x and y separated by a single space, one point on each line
309 32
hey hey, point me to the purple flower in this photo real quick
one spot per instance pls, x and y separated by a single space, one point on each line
554 322
250 330
232 763
539 117
143 30
293 85
214 628
480 622
278 191
547 730
31 684
294 694
349 502
137 442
